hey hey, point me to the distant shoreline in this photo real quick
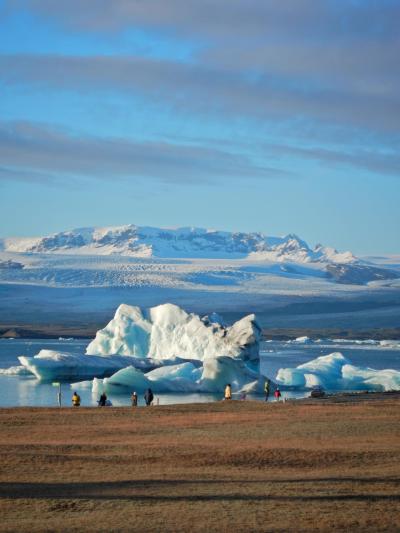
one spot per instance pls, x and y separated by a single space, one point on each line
54 331
330 399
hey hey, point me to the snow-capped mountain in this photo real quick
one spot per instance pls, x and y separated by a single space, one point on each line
147 242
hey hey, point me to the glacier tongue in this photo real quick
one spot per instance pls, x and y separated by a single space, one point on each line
167 331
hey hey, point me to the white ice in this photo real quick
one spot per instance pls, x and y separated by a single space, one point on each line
167 331
137 346
15 371
336 372
186 377
49 365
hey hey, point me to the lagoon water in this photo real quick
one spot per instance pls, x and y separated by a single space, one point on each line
28 391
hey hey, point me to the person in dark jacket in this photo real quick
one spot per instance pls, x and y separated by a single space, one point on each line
266 389
148 396
102 400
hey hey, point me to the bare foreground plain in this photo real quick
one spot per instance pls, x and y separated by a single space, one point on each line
227 466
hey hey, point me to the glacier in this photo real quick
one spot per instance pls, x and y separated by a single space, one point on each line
336 372
163 346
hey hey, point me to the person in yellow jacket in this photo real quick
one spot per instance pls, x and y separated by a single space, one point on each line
228 392
76 400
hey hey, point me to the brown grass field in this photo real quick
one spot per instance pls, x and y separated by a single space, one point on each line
228 466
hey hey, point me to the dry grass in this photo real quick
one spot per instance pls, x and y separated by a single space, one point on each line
239 466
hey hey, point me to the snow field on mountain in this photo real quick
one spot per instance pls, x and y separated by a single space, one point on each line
144 242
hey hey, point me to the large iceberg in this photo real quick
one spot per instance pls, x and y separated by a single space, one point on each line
167 331
164 346
336 372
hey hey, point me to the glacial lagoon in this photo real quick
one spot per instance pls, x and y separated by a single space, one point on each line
274 355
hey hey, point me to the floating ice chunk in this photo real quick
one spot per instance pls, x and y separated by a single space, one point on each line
175 378
335 372
15 371
49 365
167 331
303 340
390 344
370 379
127 378
186 377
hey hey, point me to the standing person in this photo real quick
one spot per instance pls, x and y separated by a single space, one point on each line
266 389
134 399
76 400
228 392
148 396
277 394
102 400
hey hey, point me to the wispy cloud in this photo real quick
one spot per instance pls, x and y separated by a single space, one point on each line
35 152
373 161
204 89
226 17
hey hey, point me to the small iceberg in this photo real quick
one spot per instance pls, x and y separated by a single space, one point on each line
212 376
50 365
15 371
336 372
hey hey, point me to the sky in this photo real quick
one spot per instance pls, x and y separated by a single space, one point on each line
280 116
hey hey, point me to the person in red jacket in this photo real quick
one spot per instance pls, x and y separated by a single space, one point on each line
277 394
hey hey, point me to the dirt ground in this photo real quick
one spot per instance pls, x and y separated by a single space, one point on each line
228 466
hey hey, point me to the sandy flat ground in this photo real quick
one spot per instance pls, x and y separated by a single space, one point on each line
226 466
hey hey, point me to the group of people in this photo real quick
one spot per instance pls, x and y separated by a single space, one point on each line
267 390
104 402
149 396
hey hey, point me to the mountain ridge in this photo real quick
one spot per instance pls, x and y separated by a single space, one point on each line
190 242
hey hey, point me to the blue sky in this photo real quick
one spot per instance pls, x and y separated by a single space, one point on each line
280 117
